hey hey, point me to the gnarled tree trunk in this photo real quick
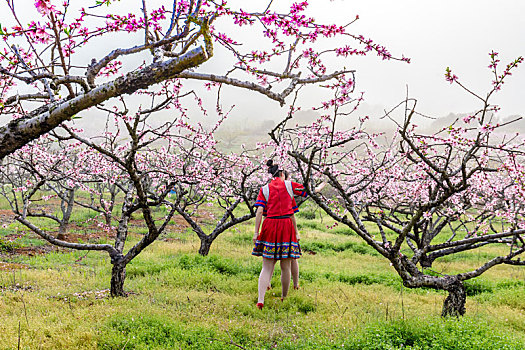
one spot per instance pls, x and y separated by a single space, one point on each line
118 275
206 242
454 304
62 230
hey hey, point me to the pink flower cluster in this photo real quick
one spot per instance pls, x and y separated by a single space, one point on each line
44 6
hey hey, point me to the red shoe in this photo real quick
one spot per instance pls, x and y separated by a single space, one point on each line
269 287
260 306
296 287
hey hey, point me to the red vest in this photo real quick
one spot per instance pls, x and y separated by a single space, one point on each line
280 202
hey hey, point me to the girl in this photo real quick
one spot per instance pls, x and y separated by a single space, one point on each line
277 239
295 263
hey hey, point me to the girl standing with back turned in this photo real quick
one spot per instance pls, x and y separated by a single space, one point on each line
277 239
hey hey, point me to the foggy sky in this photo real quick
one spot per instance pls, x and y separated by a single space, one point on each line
437 34
434 34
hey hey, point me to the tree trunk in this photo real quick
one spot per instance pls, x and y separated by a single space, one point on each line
62 230
425 261
118 275
67 209
205 245
454 304
107 218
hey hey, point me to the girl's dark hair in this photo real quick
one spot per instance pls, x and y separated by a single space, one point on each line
273 169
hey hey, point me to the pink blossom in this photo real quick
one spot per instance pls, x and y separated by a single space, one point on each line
451 78
44 6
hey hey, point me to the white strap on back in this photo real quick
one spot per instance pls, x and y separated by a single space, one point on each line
289 188
266 192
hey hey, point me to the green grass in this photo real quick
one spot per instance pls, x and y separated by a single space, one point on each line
8 246
26 238
83 216
308 214
350 298
466 333
324 246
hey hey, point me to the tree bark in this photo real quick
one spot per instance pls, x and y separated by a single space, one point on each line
425 261
454 304
109 213
107 218
118 275
19 132
205 245
62 230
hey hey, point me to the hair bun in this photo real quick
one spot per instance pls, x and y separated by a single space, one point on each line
272 168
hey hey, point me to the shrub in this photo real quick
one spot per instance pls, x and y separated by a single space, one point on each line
307 214
312 225
215 263
155 332
241 239
458 334
8 246
510 284
343 230
359 279
477 286
223 266
306 307
137 268
320 246
188 262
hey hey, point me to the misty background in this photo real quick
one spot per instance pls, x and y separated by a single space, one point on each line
435 35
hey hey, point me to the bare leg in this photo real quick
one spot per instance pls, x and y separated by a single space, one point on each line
270 282
295 273
285 276
295 263
265 277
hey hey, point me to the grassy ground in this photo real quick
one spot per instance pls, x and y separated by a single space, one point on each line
350 298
